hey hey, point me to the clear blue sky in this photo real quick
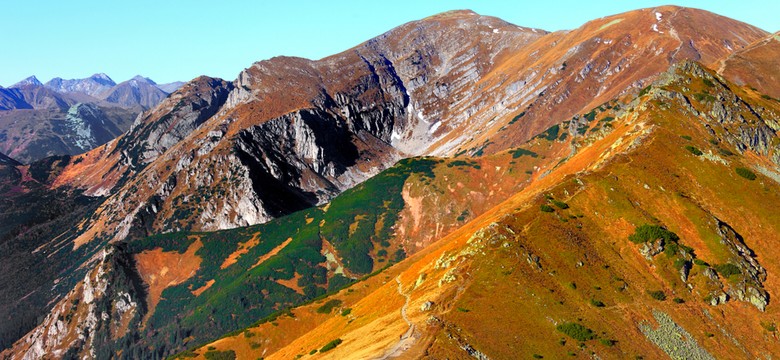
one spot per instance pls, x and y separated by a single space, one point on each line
170 40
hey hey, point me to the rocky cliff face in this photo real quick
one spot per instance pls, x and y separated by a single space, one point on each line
748 127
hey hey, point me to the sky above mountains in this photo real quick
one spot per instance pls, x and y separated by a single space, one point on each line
179 40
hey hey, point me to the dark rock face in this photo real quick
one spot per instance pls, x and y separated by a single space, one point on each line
5 160
155 132
302 159
750 286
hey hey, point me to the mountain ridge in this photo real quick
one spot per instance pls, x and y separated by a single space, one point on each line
553 122
401 75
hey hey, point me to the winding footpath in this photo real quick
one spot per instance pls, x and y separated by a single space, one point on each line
407 339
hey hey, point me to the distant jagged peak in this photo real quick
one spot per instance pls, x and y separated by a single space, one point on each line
101 76
29 81
92 85
142 79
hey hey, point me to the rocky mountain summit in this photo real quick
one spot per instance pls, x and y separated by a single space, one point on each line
92 86
28 81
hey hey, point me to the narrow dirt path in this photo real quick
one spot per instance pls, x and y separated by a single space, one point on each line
407 339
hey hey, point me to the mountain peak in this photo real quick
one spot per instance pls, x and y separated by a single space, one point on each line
30 80
455 13
139 78
102 77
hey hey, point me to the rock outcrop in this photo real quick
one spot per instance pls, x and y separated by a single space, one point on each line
104 308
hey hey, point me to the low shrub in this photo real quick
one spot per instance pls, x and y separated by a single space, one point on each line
745 173
327 307
694 150
727 269
725 152
607 342
220 355
560 204
576 331
646 233
523 152
546 208
331 345
596 303
657 294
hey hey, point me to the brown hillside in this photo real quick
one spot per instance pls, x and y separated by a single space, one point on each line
756 66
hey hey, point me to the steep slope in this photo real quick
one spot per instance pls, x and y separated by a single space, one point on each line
91 86
94 318
573 254
138 91
42 98
37 222
11 99
755 65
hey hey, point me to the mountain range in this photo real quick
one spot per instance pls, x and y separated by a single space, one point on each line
456 187
68 117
